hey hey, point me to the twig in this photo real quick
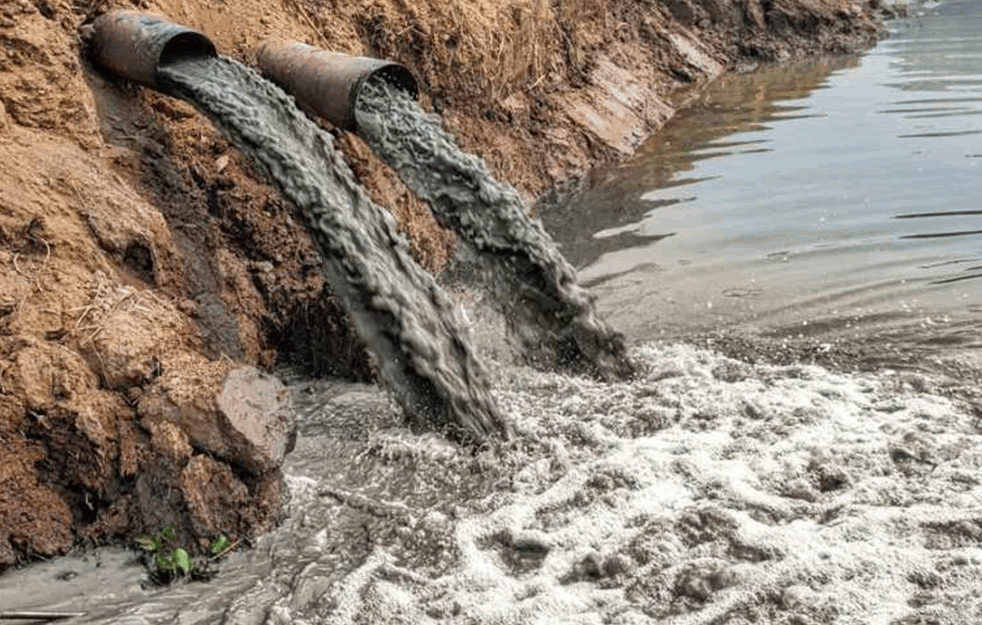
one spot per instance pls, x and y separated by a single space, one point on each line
224 551
88 308
38 616
101 325
16 268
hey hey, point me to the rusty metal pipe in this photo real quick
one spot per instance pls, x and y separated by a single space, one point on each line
328 83
135 45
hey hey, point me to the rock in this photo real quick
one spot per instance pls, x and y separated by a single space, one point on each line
242 415
257 418
184 395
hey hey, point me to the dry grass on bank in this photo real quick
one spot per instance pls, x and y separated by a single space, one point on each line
474 52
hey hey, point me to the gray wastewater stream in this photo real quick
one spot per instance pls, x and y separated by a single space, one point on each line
705 489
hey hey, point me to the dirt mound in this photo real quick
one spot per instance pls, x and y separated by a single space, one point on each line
142 261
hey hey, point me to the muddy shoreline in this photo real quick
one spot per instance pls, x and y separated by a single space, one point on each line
145 269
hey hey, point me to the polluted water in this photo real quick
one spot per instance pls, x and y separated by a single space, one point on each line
554 318
703 491
396 307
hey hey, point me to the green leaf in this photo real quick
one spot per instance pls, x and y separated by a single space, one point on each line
167 534
147 544
219 546
165 561
181 559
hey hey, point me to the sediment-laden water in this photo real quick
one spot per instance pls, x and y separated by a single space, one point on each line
395 306
533 284
837 200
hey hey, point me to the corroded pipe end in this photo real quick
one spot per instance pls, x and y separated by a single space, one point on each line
328 83
135 45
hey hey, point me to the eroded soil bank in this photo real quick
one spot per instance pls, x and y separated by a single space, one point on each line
145 270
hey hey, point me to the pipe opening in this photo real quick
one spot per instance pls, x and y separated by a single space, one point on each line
328 84
135 45
187 45
399 77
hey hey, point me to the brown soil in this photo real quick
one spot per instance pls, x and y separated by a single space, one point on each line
141 258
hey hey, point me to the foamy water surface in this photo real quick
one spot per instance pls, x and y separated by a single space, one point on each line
709 491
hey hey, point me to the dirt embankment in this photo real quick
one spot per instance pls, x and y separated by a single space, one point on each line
144 266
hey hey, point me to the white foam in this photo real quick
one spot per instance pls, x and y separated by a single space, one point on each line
681 497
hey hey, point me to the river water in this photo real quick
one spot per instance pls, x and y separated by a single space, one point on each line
838 199
706 490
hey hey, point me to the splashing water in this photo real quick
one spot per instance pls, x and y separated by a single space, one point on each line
703 491
396 308
534 286
706 491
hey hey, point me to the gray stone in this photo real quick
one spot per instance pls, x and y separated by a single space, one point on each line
256 417
239 415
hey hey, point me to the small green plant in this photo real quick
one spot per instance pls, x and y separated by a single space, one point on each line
167 557
220 546
168 560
